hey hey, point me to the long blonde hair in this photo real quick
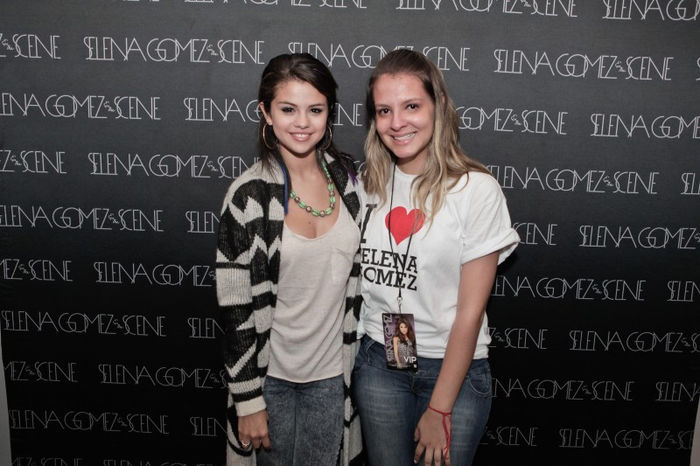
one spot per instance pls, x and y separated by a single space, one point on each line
446 161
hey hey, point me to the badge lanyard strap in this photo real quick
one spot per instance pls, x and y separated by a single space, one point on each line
400 273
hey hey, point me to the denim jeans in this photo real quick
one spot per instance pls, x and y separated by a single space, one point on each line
306 422
391 402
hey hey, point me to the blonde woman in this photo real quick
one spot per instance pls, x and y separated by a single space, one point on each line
436 227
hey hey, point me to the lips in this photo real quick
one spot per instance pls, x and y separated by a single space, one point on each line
301 137
404 138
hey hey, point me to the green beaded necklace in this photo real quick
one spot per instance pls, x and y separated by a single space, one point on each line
331 197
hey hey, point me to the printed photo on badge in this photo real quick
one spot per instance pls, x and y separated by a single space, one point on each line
400 341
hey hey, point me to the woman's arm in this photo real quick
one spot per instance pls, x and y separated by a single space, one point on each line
234 292
475 283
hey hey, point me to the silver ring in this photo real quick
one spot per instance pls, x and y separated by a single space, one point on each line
245 445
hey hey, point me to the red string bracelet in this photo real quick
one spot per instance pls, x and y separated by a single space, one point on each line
448 431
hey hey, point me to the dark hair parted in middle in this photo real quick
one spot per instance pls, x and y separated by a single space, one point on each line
306 68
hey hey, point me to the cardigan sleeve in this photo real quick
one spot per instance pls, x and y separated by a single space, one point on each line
235 251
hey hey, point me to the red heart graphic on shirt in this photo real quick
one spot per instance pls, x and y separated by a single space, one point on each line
402 222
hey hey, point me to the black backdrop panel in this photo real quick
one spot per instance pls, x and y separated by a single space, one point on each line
123 122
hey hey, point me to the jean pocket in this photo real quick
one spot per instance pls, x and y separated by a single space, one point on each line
479 377
371 354
362 356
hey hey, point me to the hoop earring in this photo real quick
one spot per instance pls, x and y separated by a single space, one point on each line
330 139
264 130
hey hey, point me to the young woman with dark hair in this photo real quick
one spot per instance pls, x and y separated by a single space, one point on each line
287 280
404 343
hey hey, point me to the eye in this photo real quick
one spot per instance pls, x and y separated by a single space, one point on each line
382 111
412 106
287 109
317 110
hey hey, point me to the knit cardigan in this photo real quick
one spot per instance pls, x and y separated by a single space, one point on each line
247 270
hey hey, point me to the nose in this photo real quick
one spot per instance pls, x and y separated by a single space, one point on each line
302 120
397 121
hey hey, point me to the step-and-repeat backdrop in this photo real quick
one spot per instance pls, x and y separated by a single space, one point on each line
123 122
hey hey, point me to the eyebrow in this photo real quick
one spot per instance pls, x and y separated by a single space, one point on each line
403 102
283 102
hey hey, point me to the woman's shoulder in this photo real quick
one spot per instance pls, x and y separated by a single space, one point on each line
475 181
248 184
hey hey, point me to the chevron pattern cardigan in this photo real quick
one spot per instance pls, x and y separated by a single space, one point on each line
247 269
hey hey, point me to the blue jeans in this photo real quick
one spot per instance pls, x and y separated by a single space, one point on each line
306 422
391 402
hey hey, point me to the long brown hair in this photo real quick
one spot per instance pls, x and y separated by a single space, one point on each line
306 68
409 336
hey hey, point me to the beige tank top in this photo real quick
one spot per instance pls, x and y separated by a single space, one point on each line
306 338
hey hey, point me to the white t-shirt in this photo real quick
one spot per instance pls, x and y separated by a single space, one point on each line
472 223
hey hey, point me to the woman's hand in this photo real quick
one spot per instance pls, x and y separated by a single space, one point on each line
432 440
252 430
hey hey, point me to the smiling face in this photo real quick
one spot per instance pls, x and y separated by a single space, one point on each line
298 116
403 328
405 118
